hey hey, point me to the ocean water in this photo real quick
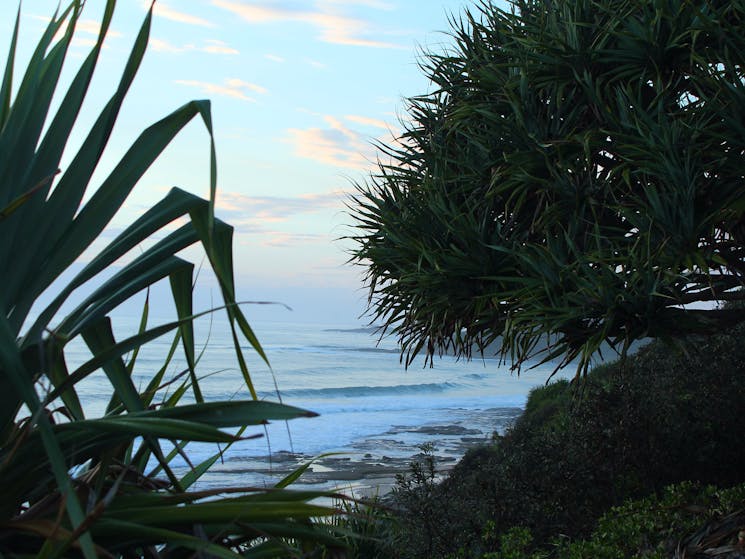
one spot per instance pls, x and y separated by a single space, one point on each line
370 406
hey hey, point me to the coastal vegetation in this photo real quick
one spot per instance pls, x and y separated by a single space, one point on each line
574 182
573 178
640 453
74 483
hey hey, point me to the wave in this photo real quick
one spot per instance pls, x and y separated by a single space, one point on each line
327 349
361 391
364 349
476 376
362 330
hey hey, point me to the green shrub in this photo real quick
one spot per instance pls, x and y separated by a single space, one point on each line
660 418
366 527
547 402
654 527
414 497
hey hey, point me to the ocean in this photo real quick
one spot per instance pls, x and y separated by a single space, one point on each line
372 410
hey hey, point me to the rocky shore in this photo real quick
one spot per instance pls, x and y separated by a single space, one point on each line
366 468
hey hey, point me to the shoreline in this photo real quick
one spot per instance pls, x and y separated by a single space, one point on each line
365 469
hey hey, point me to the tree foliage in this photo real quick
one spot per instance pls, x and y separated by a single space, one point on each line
71 483
574 177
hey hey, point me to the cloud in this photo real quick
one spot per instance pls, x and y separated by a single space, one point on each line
276 209
287 239
212 46
84 26
367 121
215 46
336 145
165 11
369 3
84 42
263 215
240 84
160 45
274 58
232 87
331 27
93 27
315 63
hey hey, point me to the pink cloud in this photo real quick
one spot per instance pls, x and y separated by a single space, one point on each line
212 46
370 3
85 27
93 27
160 45
240 84
287 239
262 216
335 145
331 27
163 10
276 209
367 121
215 46
233 87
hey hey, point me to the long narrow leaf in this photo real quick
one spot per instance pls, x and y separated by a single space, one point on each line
11 365
7 85
181 289
49 153
100 339
128 239
65 200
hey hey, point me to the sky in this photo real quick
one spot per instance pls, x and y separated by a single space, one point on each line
300 90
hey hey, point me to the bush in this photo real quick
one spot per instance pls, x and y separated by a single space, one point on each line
655 527
664 416
366 529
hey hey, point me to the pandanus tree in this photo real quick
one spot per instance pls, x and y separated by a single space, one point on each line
575 176
76 485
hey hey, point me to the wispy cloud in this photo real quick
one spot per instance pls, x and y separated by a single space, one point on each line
315 63
290 239
88 27
211 46
238 83
274 58
335 145
367 121
276 209
93 27
163 10
233 87
159 45
215 46
369 3
330 25
264 215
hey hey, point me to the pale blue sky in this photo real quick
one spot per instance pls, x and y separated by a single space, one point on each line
299 91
